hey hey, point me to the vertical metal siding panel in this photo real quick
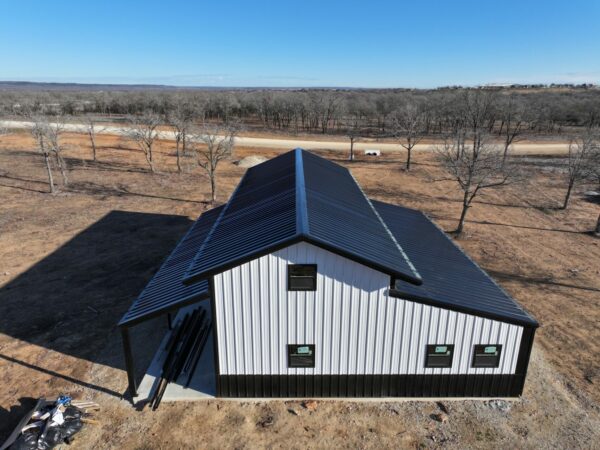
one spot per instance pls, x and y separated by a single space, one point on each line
369 344
344 349
229 317
459 338
231 331
503 337
280 311
354 329
516 348
407 336
493 334
447 328
318 322
343 292
231 325
388 335
256 316
266 333
396 347
327 293
432 335
246 317
241 348
380 329
516 334
485 338
220 316
465 351
414 338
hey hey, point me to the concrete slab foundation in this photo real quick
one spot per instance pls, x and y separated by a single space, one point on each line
203 383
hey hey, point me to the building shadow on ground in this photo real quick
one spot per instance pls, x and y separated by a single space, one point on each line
70 301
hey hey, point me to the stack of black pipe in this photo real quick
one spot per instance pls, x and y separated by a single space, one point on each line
184 348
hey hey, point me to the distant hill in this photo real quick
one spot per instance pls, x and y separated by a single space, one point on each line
41 86
92 87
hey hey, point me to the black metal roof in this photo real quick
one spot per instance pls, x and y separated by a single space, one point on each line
165 291
451 279
296 197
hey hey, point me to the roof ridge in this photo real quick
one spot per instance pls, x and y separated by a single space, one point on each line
301 207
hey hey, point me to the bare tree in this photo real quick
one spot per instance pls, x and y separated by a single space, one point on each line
582 151
474 170
38 132
180 118
54 130
512 121
478 107
407 126
353 134
144 131
212 145
91 129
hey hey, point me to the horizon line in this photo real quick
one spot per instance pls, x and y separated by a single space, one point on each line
299 87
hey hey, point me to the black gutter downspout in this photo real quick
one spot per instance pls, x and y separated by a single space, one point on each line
132 387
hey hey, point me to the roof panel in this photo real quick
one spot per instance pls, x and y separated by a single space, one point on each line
450 278
299 196
166 291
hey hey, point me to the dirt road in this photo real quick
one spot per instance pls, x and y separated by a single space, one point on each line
522 148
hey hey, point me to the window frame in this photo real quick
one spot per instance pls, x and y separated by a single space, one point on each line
482 353
290 277
310 365
428 354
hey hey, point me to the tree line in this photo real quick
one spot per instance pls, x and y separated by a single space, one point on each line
539 111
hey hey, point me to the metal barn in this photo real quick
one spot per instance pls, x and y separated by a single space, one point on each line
316 290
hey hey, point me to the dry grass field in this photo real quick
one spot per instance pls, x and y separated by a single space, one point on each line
71 263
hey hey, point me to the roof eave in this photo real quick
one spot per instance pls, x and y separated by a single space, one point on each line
124 323
294 240
396 293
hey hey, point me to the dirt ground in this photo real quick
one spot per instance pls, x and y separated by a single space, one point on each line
71 264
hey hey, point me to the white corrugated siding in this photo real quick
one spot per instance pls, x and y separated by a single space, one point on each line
355 326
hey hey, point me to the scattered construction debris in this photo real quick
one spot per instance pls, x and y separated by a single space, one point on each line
51 423
311 405
251 161
440 417
184 348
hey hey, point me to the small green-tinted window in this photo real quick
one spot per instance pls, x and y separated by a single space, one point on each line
487 355
302 277
301 355
439 355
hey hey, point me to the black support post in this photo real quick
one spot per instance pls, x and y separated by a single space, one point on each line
129 362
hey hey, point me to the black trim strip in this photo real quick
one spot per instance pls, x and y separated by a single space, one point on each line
369 385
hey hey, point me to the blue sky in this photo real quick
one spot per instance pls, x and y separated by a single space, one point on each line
301 43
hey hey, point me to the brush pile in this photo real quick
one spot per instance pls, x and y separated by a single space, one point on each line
51 423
